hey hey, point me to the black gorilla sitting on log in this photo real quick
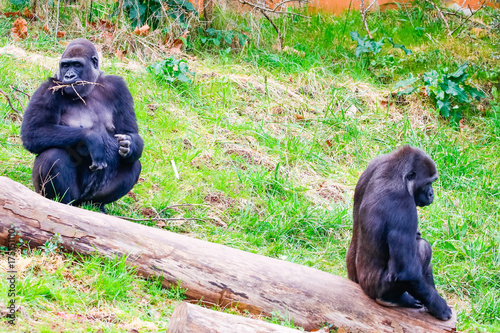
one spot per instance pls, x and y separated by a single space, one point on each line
82 126
387 256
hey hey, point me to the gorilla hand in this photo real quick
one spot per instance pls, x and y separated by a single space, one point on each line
97 152
124 142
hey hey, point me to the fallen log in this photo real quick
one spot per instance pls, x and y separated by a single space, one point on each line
211 272
189 318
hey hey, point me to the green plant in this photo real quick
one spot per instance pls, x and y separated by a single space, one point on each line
221 37
367 46
52 244
171 70
449 91
152 11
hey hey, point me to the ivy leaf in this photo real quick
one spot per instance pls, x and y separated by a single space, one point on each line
183 78
399 46
407 91
407 82
460 75
454 89
444 107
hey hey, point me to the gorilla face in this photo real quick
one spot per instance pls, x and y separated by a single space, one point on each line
79 64
424 195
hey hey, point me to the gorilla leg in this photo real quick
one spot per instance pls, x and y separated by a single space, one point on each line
55 176
126 177
425 290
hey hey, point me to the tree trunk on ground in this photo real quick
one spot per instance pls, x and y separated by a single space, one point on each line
212 272
189 318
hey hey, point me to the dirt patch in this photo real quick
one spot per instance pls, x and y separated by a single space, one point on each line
251 156
219 200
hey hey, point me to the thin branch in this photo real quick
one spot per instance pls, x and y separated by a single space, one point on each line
440 13
370 6
269 10
22 92
10 103
280 37
161 219
120 11
287 1
60 85
468 18
362 10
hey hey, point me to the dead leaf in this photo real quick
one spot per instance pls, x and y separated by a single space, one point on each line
462 125
20 29
179 42
12 14
102 25
142 31
423 92
120 54
61 34
299 117
46 29
28 14
160 224
329 143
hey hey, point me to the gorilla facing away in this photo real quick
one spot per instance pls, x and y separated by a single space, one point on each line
387 255
81 125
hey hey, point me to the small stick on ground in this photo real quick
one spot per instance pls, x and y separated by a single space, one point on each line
10 103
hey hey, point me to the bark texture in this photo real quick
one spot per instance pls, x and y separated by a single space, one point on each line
211 272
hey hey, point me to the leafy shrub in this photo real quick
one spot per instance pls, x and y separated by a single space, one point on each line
151 12
449 91
367 46
171 70
220 37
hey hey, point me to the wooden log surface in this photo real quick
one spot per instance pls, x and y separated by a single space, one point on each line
190 318
212 272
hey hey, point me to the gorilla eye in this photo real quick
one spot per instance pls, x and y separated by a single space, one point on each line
411 175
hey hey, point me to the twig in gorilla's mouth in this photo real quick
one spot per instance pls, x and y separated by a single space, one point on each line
59 85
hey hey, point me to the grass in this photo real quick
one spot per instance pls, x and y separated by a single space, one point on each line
269 145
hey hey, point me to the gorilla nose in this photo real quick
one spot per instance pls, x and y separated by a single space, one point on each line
69 77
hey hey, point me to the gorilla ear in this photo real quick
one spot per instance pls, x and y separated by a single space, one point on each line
409 181
95 62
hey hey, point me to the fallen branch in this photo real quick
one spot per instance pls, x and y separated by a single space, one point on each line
10 103
210 272
21 91
190 318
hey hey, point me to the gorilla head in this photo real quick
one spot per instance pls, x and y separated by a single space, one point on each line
79 64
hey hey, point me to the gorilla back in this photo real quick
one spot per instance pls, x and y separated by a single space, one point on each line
82 126
387 255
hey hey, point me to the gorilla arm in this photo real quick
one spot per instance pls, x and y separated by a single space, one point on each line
41 128
127 132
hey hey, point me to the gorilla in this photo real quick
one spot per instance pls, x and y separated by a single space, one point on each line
81 124
387 255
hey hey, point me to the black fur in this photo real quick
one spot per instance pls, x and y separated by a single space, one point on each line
85 136
387 255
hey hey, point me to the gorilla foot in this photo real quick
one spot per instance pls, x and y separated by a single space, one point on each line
406 301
